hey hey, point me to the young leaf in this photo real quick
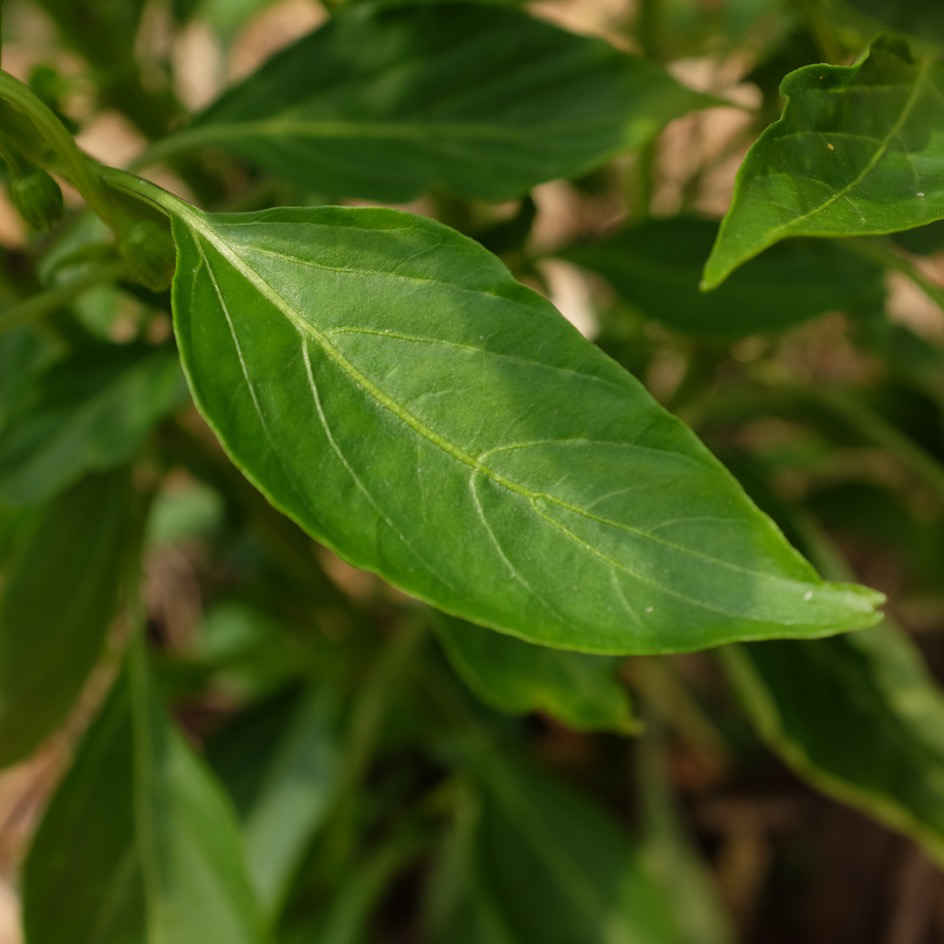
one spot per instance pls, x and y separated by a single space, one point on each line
90 412
873 682
857 151
581 691
484 101
138 842
58 595
387 384
656 266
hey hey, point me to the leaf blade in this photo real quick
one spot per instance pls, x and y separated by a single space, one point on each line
417 293
857 152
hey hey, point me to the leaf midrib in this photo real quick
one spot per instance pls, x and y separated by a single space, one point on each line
199 225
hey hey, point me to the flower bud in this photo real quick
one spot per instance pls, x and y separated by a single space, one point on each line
148 249
36 196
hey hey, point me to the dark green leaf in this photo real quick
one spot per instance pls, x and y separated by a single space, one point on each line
858 151
540 862
90 412
58 594
817 704
386 383
479 100
923 19
138 843
516 677
656 266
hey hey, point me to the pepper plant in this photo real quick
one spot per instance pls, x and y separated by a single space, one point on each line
367 585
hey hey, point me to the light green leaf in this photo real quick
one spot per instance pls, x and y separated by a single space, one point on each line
387 384
858 151
866 688
90 412
581 691
656 266
59 591
138 843
484 101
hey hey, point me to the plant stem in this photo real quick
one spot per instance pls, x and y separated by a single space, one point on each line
45 303
75 165
883 252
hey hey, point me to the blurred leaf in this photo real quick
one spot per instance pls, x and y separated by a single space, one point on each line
24 354
103 31
516 677
859 717
59 592
856 152
922 19
347 358
138 842
540 862
656 266
484 101
89 412
183 513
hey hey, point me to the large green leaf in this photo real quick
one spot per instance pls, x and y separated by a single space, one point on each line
656 266
138 843
386 383
859 150
483 101
58 594
516 677
90 412
865 723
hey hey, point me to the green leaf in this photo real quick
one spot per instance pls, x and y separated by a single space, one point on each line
923 19
90 412
387 384
873 682
656 266
581 691
59 591
858 151
138 843
480 100
537 861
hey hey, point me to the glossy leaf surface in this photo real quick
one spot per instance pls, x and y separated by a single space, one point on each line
581 691
859 150
814 702
656 266
90 412
386 383
138 843
480 100
59 591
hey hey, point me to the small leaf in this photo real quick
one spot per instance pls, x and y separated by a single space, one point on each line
138 843
386 383
58 595
90 412
656 266
581 691
858 151
873 682
481 100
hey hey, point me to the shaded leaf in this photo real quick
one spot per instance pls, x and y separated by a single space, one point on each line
513 676
870 684
656 266
386 383
138 842
90 412
59 591
484 101
858 151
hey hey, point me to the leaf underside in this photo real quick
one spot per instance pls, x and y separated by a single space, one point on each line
387 384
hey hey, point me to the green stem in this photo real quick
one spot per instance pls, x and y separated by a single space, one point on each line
883 252
75 165
45 303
